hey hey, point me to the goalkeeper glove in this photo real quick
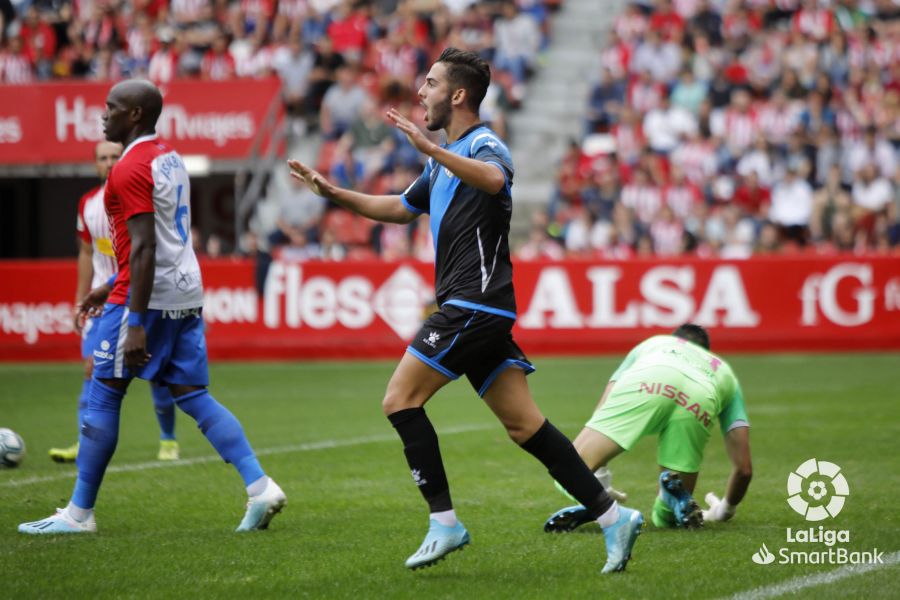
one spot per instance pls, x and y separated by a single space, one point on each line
719 509
604 476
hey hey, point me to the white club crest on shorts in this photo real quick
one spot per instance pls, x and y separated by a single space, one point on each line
104 345
817 490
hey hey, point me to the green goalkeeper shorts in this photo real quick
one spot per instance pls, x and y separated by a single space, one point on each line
659 401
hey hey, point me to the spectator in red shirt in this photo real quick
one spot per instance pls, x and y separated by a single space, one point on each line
163 66
217 64
348 31
395 59
37 35
15 65
667 22
752 198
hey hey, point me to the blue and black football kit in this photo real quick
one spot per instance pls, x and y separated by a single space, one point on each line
470 334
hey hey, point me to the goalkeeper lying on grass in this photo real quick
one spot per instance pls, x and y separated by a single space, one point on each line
671 386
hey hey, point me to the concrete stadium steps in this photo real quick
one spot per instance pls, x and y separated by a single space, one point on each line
554 106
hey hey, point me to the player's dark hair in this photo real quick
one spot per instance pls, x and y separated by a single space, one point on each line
468 71
693 333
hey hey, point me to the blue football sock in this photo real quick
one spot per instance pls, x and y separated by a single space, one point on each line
98 439
165 410
223 431
83 401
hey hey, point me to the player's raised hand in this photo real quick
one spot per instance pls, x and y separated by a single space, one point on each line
413 133
719 509
315 180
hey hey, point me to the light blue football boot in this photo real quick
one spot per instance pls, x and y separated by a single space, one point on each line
676 497
61 522
262 508
620 538
439 542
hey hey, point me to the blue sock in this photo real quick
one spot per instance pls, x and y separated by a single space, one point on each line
83 401
165 410
223 431
98 439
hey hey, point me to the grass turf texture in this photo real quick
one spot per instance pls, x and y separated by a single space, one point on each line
354 515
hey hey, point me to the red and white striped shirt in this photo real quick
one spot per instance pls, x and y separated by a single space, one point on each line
616 59
217 67
151 178
16 69
686 8
629 142
644 200
816 24
631 26
738 129
697 159
187 11
399 62
645 96
163 66
293 9
93 228
667 237
848 126
778 124
682 198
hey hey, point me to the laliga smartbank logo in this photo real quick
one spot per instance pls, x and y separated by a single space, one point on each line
817 490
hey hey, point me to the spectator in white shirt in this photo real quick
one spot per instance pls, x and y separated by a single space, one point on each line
870 193
342 104
517 39
665 124
661 59
871 150
792 204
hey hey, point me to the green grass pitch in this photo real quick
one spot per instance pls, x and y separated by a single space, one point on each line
354 514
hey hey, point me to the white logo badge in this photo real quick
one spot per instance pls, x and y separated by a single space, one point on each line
817 490
417 477
104 345
763 556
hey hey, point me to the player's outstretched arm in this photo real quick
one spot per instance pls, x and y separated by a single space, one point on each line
388 209
737 446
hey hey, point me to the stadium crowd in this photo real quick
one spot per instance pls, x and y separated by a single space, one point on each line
732 128
715 128
340 63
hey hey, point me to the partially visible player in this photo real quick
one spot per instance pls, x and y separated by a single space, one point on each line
96 264
466 190
151 326
671 386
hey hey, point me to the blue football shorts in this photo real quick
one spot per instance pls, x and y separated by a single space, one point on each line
88 337
176 343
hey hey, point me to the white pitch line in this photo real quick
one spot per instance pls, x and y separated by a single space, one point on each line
794 585
305 447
